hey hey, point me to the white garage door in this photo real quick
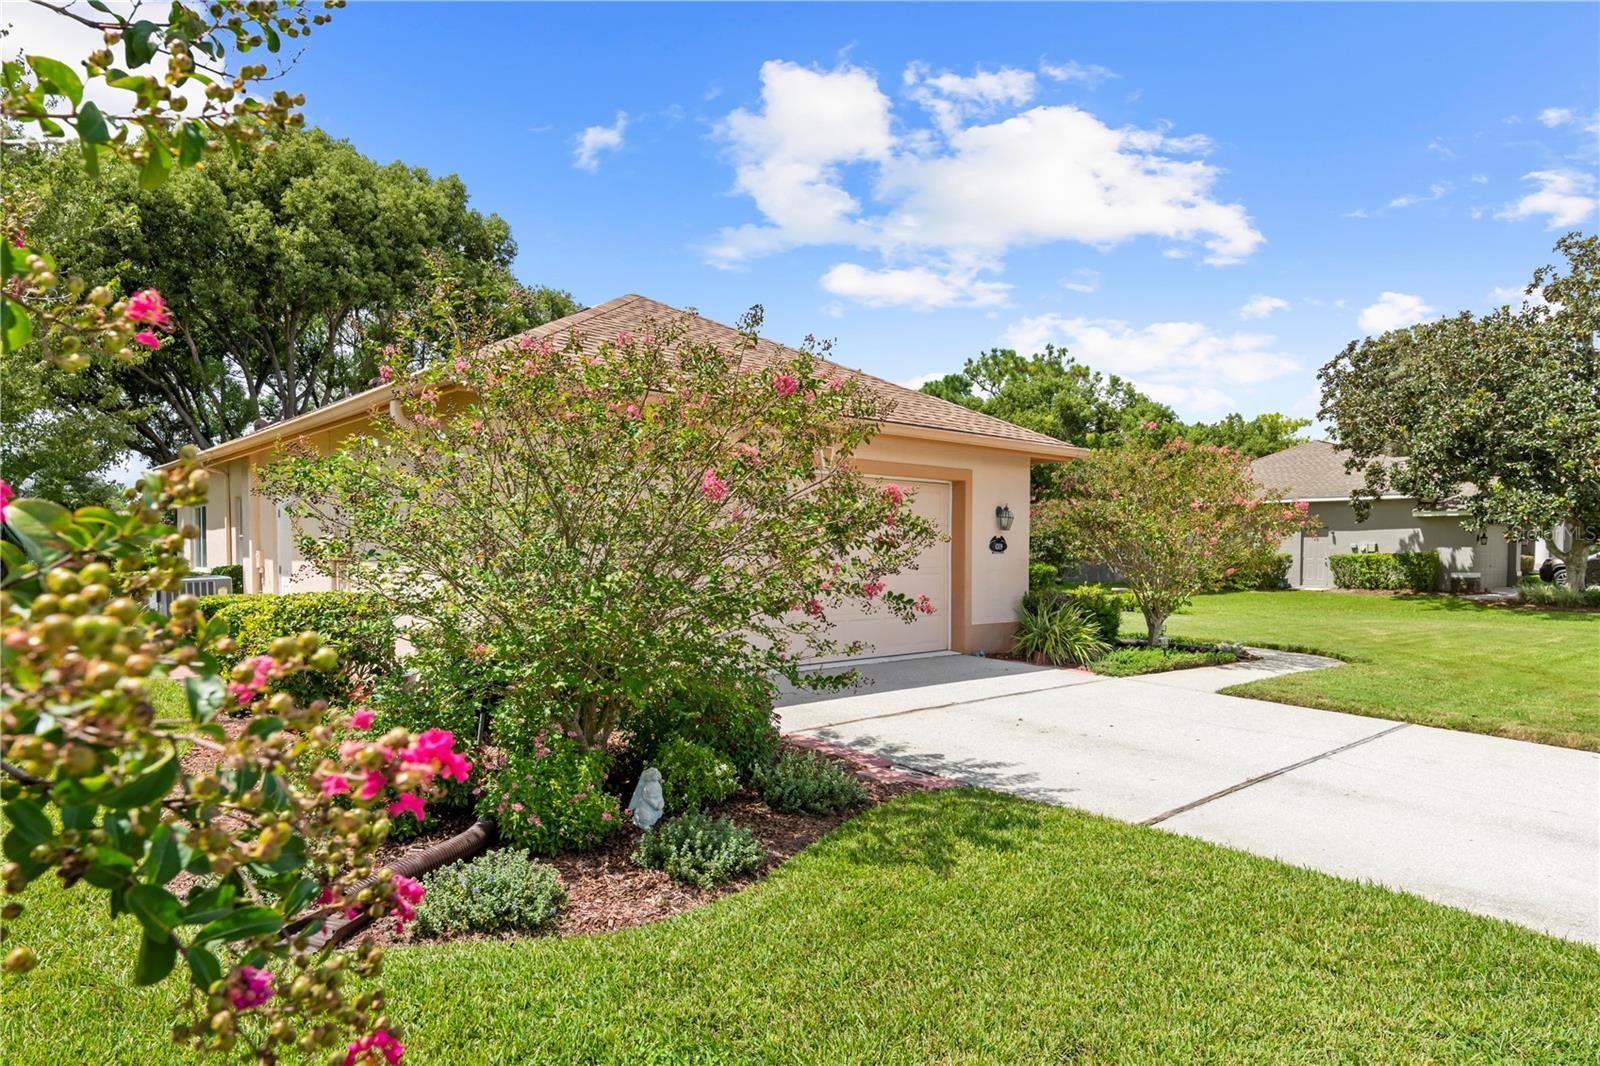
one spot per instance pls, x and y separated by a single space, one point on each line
883 632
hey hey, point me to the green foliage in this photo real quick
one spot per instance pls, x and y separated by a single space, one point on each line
52 453
497 892
552 800
1041 576
693 776
1262 435
1102 605
1506 402
1397 571
232 573
1172 520
808 782
669 514
699 850
1054 631
359 627
1268 573
1130 662
734 719
1542 594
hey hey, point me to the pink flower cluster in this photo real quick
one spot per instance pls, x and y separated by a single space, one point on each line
265 668
407 894
431 755
148 307
249 988
7 494
713 486
923 605
377 1046
786 385
749 453
873 588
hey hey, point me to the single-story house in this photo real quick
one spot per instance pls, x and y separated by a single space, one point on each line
1315 472
967 469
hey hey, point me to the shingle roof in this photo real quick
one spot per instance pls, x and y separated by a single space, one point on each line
638 314
1310 471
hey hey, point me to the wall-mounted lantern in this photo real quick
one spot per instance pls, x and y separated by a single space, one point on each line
1003 516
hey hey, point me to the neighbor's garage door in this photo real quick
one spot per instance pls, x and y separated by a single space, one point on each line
882 631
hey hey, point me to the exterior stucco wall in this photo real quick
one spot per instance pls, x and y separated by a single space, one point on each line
1393 527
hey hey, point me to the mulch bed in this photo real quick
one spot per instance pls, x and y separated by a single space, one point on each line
606 891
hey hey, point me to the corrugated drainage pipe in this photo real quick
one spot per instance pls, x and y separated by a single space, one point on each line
463 845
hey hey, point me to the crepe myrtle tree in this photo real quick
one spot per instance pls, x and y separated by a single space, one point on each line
1507 402
118 800
1172 518
603 514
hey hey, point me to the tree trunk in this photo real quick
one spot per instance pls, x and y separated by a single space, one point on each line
1578 557
1155 623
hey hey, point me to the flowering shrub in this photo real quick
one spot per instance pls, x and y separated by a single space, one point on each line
693 776
551 800
359 628
95 792
805 781
1172 519
699 850
605 514
497 892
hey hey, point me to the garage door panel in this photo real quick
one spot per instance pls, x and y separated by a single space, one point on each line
878 628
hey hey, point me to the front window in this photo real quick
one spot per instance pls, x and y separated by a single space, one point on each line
197 550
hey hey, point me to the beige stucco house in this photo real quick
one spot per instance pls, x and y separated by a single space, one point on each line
963 465
1315 472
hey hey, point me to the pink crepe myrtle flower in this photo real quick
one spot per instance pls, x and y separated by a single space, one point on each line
712 486
1302 506
335 785
362 719
462 366
7 494
148 307
263 667
786 385
749 453
813 607
250 988
377 1047
525 343
477 425
148 339
873 588
372 783
386 373
624 338
923 605
1150 425
634 411
895 494
410 802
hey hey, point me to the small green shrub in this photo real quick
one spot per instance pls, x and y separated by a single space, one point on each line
550 800
497 892
1542 594
1042 576
1102 605
693 776
359 627
699 850
1052 630
1395 571
1266 574
1130 662
805 781
733 718
232 573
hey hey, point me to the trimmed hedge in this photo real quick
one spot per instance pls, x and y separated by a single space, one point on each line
359 627
1267 574
1042 576
1395 571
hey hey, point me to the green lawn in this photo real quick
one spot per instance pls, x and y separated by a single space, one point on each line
955 927
1527 674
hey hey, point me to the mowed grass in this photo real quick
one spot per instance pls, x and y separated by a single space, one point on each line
1526 674
952 927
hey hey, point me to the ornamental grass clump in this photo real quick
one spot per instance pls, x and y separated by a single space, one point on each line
1055 632
699 850
806 782
693 776
497 892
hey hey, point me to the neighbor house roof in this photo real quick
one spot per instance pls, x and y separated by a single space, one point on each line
1311 471
914 414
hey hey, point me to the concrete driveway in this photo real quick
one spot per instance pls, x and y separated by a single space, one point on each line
1500 827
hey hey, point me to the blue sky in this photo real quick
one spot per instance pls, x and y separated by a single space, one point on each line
1210 200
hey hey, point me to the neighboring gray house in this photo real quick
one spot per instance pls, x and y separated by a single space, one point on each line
1315 472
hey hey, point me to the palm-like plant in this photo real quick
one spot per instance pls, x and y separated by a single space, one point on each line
1055 632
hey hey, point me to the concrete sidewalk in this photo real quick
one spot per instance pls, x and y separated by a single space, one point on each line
1500 827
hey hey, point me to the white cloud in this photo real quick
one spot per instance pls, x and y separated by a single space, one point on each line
951 98
1392 311
1564 197
956 198
1083 280
918 287
1259 306
1556 116
597 139
1090 74
1438 190
1185 364
922 379
1516 297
